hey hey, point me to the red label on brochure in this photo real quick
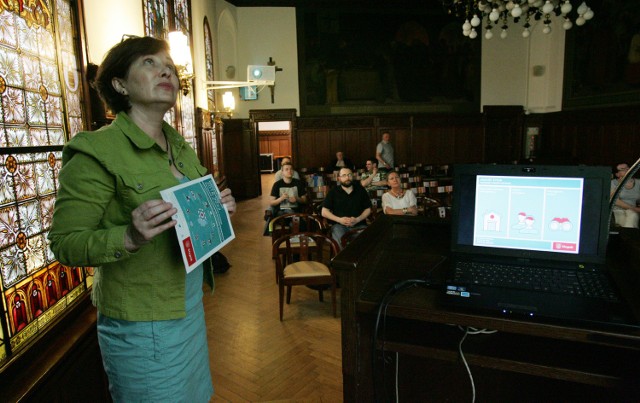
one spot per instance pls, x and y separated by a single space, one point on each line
188 251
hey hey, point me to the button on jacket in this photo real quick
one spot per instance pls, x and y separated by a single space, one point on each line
105 175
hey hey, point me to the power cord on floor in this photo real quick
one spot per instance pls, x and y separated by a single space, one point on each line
467 331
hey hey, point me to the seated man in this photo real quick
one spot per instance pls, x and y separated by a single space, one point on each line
288 193
373 179
340 162
285 160
348 205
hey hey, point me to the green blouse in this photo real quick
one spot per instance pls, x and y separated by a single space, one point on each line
105 175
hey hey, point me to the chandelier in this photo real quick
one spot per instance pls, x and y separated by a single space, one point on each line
501 13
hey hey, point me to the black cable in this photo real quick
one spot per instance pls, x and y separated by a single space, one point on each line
397 288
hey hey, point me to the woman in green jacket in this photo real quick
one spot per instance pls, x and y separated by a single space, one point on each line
109 215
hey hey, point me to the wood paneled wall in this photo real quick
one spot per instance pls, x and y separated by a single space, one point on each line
593 137
430 139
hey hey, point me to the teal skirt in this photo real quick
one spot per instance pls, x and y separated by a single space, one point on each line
159 361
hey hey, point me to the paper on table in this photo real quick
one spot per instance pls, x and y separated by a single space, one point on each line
203 221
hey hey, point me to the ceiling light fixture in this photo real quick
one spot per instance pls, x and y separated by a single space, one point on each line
501 13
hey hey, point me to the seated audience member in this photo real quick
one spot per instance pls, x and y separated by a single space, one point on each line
288 193
278 175
625 211
398 201
347 205
373 179
340 162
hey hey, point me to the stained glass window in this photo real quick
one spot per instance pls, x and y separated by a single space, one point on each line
41 107
208 58
160 18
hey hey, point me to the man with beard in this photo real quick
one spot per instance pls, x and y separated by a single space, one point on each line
347 205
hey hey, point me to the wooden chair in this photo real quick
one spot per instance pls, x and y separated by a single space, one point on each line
294 223
304 259
317 193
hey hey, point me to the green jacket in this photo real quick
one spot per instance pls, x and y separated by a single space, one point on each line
105 175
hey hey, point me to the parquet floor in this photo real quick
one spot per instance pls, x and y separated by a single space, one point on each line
255 357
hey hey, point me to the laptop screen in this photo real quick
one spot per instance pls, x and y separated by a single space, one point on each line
539 212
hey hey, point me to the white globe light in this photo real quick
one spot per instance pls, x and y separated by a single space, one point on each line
566 7
546 29
475 21
494 15
547 8
503 34
466 33
567 24
516 11
588 15
580 21
488 34
473 34
466 26
526 33
582 8
510 5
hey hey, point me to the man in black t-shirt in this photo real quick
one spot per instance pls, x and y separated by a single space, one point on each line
288 193
348 205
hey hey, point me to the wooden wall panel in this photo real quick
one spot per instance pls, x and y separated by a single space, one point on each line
592 137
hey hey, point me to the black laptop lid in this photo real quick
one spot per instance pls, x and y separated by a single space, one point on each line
545 212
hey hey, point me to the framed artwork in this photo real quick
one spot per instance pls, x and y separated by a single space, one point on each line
602 57
383 60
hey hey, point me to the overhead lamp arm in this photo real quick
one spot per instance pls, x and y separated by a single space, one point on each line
218 85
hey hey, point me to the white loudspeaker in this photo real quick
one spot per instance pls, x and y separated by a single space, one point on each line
261 73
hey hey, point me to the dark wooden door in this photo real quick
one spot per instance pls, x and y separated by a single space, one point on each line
503 133
240 145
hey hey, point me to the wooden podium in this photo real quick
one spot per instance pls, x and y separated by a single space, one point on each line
417 343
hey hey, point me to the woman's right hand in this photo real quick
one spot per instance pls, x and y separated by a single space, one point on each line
147 221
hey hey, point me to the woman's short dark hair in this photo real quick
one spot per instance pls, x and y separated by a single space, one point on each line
116 64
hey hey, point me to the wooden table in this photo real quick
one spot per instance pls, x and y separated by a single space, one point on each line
522 361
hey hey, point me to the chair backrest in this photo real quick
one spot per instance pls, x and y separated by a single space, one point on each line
304 246
316 193
294 223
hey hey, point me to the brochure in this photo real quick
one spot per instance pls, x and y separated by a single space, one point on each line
203 225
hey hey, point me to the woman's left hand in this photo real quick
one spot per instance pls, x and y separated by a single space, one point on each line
228 200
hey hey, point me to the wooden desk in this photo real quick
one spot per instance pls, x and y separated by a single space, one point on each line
522 361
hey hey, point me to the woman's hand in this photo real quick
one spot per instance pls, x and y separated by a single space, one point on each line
228 200
149 219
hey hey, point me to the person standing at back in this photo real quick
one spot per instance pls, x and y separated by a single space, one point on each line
626 210
109 215
384 153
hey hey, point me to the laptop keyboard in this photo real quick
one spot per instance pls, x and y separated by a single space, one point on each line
587 282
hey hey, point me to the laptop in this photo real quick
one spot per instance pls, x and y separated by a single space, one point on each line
530 242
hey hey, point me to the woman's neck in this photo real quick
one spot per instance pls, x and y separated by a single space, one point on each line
150 122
